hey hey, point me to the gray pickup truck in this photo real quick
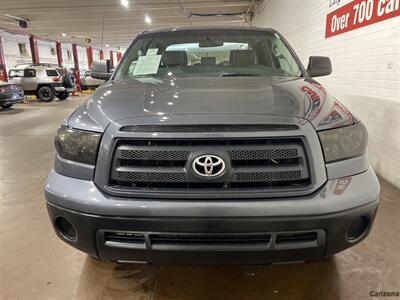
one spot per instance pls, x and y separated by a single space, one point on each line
212 146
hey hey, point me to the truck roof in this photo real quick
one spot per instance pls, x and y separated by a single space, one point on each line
195 28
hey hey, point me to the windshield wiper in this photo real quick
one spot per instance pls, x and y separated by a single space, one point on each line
239 74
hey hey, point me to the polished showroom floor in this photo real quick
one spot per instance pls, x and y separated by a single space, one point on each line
35 264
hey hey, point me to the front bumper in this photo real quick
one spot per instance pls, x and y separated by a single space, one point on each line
11 99
328 213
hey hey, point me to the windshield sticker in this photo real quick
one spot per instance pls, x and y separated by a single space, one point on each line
147 65
152 51
150 80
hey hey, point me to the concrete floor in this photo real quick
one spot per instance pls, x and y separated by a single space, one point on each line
35 264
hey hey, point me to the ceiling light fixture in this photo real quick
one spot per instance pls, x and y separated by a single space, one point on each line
63 34
125 3
147 19
107 45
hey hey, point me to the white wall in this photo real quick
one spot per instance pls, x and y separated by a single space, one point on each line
82 58
13 56
115 58
68 62
366 63
96 55
45 52
11 49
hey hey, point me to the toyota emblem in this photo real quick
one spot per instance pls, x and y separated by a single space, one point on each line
209 166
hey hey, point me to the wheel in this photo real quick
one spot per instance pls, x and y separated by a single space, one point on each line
5 106
63 95
68 81
84 87
46 94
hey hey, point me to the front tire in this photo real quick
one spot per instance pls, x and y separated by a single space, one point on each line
46 94
63 95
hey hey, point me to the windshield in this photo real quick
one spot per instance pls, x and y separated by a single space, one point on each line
208 53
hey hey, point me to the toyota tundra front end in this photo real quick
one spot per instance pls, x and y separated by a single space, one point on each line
212 146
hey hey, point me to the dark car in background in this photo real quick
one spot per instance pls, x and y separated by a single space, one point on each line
10 94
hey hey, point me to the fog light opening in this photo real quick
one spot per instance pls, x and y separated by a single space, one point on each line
65 229
358 228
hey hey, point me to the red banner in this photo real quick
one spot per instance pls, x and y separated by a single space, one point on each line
360 13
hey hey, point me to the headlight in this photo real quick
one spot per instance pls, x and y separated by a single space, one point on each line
345 142
5 89
77 145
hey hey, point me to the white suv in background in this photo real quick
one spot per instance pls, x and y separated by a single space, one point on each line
88 82
44 81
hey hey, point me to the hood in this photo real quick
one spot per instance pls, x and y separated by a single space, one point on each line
177 98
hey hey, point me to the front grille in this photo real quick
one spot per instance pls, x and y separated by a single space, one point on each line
297 237
124 237
257 176
261 241
263 154
198 239
149 175
257 164
154 155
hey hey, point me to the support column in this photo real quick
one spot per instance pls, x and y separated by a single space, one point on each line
3 69
119 55
76 66
101 55
34 50
112 59
89 51
59 54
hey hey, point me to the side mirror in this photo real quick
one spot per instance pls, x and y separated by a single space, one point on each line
319 66
101 69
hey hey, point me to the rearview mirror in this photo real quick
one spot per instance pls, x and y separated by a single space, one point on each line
101 69
319 66
209 43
